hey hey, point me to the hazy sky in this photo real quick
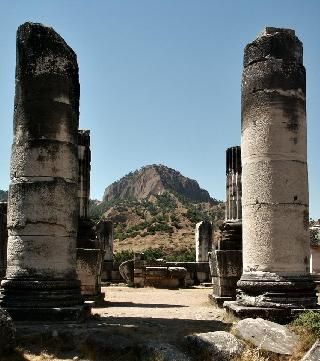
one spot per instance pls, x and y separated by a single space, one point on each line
160 80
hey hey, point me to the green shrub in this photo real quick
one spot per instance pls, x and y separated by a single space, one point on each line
151 254
309 320
187 256
123 256
160 227
166 202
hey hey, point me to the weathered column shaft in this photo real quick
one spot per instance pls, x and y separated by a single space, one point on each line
226 259
233 184
43 205
84 156
274 174
203 240
3 239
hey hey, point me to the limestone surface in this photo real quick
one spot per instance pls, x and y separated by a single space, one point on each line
275 205
219 345
43 205
162 351
314 353
267 335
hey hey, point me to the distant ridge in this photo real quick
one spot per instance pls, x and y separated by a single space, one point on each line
153 180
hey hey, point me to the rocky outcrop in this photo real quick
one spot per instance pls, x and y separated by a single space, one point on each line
153 180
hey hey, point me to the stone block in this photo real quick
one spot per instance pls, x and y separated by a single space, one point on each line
267 335
217 346
35 207
202 276
28 256
89 267
162 351
314 353
227 263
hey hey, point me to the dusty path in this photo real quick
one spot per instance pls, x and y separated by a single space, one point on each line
161 314
129 317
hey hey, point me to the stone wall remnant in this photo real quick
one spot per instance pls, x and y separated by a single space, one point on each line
43 206
203 240
226 258
275 205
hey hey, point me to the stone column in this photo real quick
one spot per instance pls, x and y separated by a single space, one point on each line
276 272
84 156
43 204
226 259
3 239
203 240
233 184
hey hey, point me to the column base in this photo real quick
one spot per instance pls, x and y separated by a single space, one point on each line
269 290
77 313
97 299
33 294
279 315
219 300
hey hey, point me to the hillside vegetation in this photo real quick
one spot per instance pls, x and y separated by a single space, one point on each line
156 208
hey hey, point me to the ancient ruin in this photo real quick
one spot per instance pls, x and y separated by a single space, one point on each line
203 240
226 258
276 253
315 254
84 157
3 239
91 240
41 280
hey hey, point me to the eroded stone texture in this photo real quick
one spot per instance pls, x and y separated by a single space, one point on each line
84 157
203 240
89 268
226 259
267 335
43 207
7 332
217 346
276 252
233 184
3 239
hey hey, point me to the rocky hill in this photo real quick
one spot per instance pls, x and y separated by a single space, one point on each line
3 195
156 207
153 180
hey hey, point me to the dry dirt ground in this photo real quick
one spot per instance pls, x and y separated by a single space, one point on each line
128 318
161 314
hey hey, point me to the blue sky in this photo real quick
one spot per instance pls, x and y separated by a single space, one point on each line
160 80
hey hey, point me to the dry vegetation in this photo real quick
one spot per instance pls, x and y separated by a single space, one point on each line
165 221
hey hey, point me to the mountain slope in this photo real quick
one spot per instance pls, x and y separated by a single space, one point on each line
3 195
156 207
153 180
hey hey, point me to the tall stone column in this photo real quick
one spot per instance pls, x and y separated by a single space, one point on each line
3 239
43 204
276 252
226 259
84 156
233 184
203 240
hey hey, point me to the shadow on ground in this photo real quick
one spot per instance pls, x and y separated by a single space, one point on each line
106 304
107 338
